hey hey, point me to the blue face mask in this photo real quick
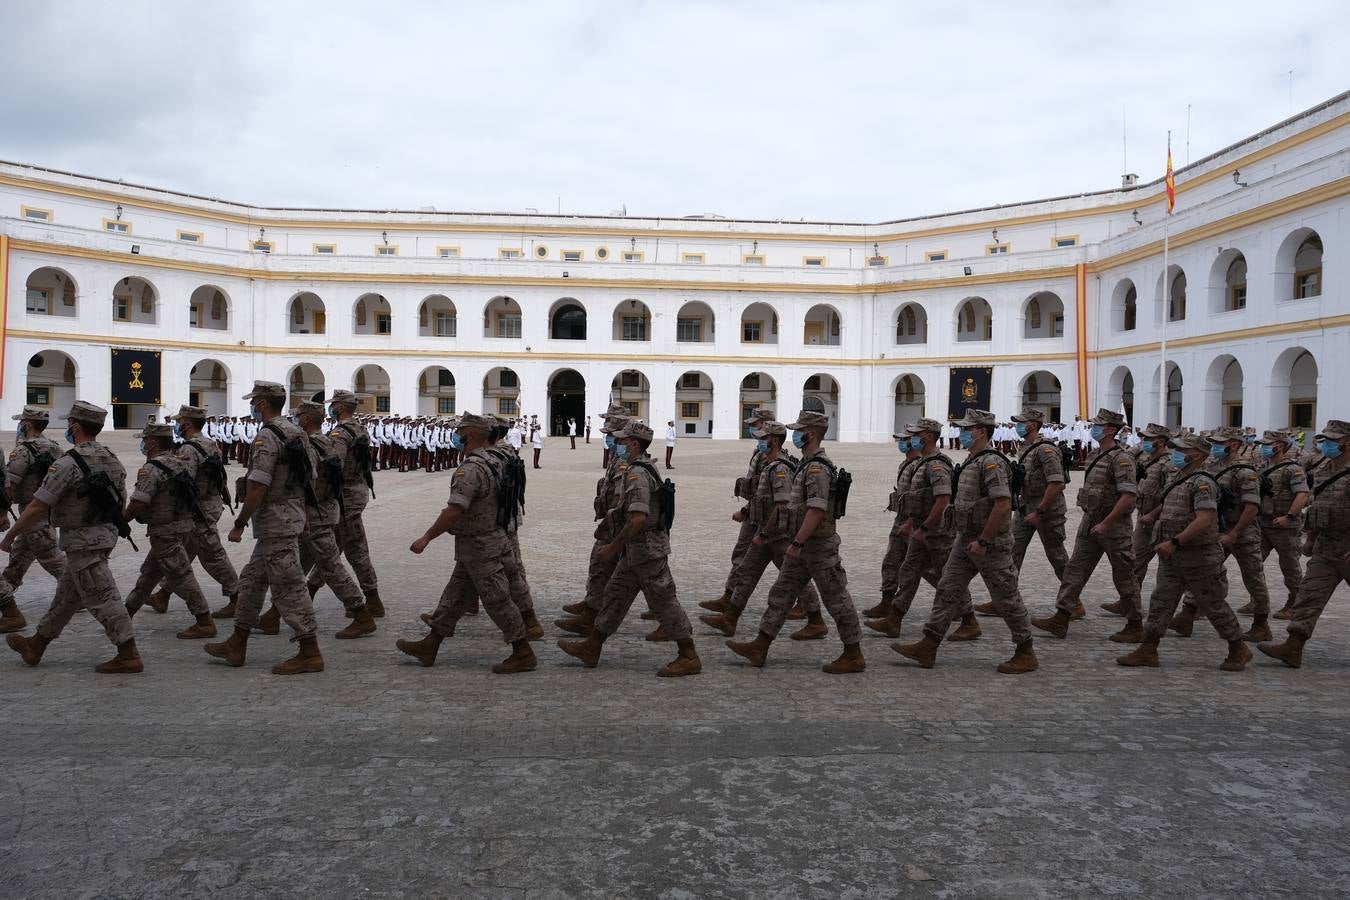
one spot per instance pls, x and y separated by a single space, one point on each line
799 439
143 451
902 445
18 429
1022 429
916 443
1218 451
456 442
966 438
332 411
609 442
1098 432
1251 439
762 446
1267 451
178 431
621 451
1147 446
256 413
70 438
1178 459
1330 449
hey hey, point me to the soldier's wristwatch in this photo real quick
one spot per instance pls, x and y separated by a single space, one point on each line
1176 544
796 543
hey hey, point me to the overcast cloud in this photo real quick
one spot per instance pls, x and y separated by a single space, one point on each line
850 111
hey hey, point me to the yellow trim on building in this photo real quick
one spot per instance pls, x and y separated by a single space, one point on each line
117 226
190 237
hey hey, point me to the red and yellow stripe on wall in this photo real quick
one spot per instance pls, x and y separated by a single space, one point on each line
1080 289
4 305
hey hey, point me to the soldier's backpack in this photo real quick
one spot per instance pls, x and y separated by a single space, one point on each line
1016 479
840 484
41 463
105 503
510 490
666 488
360 450
214 469
183 489
1230 503
330 474
299 468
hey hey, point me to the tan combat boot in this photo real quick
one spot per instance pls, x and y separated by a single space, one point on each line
1115 608
204 627
126 662
228 610
232 649
797 612
1146 654
1132 633
582 624
11 618
30 649
1239 654
985 609
270 621
1260 630
814 629
1246 609
375 604
159 601
1058 624
889 626
306 660
424 651
588 650
1290 652
659 636
882 609
1023 661
724 622
686 663
849 662
362 624
522 659
969 629
718 605
1183 623
1287 611
922 651
756 651
574 609
533 629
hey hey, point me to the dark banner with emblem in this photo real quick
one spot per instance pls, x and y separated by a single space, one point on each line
970 388
135 376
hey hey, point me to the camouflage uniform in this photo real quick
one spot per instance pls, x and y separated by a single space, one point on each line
277 524
984 478
818 559
1329 524
1108 475
896 545
319 551
773 488
1150 477
927 558
21 480
203 543
1044 466
1244 482
351 532
609 514
168 526
1287 479
745 490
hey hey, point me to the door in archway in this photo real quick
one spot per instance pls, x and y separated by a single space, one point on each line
566 400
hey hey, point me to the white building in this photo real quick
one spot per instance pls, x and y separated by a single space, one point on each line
695 319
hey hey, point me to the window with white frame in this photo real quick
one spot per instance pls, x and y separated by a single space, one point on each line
447 324
505 253
689 330
634 328
39 302
632 256
447 252
116 226
508 325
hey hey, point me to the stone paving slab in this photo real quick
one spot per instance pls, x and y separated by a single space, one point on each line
381 778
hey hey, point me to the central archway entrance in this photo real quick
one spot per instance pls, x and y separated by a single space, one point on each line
566 400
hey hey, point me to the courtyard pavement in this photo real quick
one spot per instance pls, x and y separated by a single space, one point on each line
381 778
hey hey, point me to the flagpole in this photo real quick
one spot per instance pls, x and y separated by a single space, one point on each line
1167 295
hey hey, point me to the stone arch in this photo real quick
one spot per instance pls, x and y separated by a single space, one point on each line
1173 405
974 320
823 326
135 301
305 381
632 321
1175 302
51 292
694 396
209 308
52 381
1223 394
501 392
1298 266
566 400
824 387
373 387
372 314
1228 282
1294 389
1042 390
758 390
759 324
695 323
306 314
436 394
503 318
911 324
567 320
910 400
1124 306
632 390
1043 316
1120 392
437 317
209 387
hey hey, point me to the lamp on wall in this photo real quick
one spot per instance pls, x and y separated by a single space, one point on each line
995 235
1137 220
118 211
385 236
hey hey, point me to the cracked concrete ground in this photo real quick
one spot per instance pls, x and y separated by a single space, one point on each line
382 778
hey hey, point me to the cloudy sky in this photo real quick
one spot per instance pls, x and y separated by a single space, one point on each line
826 110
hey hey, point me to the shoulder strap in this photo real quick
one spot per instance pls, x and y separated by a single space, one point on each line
1280 465
276 429
1179 482
159 464
1234 466
1330 481
79 461
1100 458
1022 458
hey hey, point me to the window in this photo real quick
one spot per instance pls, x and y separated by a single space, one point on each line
634 328
751 332
633 408
447 252
194 316
1057 325
387 250
690 380
505 253
445 406
508 325
1302 414
325 249
876 261
630 379
444 378
935 256
39 301
750 382
217 306
692 259
1307 284
812 383
752 259
633 256
1059 243
382 403
121 307
571 256
690 410
383 323
190 237
262 246
506 406
39 395
541 252
813 261
508 379
446 324
116 226
995 249
602 253
33 214
689 330
1131 309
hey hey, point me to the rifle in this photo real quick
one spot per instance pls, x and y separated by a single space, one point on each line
105 501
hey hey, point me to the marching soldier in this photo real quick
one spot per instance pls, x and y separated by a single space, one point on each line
1042 496
744 489
1107 500
1241 538
925 528
351 445
768 513
83 495
910 451
1186 540
1281 519
812 554
642 548
1327 543
1151 473
165 499
481 544
318 542
982 509
280 478
27 466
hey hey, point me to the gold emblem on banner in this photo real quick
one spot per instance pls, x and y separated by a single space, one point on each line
969 392
136 377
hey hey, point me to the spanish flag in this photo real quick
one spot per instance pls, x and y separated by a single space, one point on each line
1170 180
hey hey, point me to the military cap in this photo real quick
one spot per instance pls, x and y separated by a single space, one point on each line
808 419
269 389
32 414
311 408
1030 415
1107 417
1275 436
615 409
1225 434
613 424
1189 442
1334 430
932 425
1154 430
977 417
473 420
84 411
341 396
190 412
765 429
634 429
760 414
904 432
157 430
